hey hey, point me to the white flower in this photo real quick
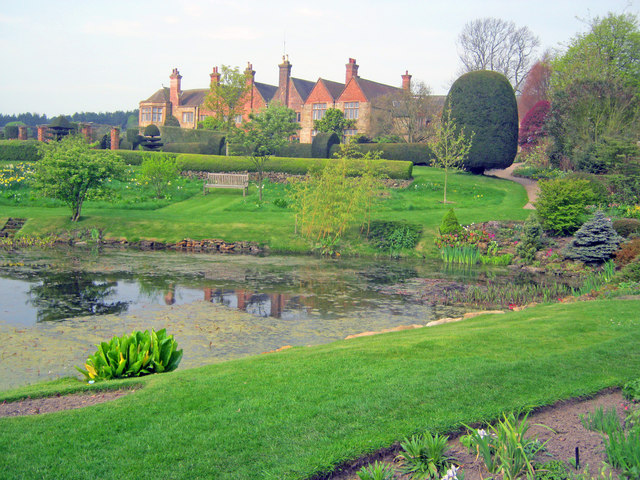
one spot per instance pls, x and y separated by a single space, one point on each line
482 433
452 473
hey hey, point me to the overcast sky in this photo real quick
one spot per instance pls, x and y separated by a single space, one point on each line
67 56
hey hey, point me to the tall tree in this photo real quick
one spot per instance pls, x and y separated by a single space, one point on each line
535 87
227 97
407 113
266 133
450 146
498 45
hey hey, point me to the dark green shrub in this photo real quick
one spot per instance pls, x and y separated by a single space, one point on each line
531 239
171 121
393 235
595 241
151 131
134 138
296 150
623 188
191 147
19 151
293 166
626 226
134 157
214 140
631 390
629 273
483 102
418 153
450 224
561 204
607 155
322 143
152 140
11 132
141 353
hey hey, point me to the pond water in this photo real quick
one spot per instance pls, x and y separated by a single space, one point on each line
55 305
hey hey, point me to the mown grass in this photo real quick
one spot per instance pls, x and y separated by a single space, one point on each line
302 411
225 214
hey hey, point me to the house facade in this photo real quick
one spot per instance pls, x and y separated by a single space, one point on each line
356 97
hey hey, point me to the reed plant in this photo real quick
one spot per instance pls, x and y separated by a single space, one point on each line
509 295
465 254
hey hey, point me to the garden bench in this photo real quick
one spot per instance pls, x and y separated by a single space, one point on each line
227 180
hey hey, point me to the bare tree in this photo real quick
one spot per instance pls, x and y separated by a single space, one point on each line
498 45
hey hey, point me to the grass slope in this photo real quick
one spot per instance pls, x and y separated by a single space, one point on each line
227 215
292 414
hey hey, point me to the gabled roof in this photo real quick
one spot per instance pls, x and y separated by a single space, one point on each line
373 89
334 88
303 87
193 98
266 91
161 96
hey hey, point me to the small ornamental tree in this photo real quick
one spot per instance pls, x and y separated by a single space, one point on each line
532 125
531 239
562 204
152 141
449 145
158 172
595 241
333 121
483 102
69 169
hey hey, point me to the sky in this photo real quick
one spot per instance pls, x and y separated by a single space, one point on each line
66 56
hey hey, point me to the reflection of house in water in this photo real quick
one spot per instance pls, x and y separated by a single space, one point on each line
262 304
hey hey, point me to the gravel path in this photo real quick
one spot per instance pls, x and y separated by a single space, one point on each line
531 186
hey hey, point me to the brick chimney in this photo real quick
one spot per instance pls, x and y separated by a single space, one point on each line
406 81
115 138
174 91
352 70
283 81
215 75
250 73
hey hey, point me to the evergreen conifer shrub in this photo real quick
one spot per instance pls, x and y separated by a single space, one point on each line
531 239
595 241
450 224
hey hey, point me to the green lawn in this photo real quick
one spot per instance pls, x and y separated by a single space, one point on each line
227 215
302 411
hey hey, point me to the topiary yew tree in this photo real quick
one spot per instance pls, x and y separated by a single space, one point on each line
483 102
152 139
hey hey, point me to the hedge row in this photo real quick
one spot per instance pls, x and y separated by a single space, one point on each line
192 147
134 157
294 166
189 135
296 150
418 153
19 151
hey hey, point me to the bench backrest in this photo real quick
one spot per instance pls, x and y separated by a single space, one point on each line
228 178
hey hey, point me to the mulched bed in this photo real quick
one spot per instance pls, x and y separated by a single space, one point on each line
36 406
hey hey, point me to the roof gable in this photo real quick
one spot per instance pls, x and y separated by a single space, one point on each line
266 91
193 98
324 91
361 89
303 87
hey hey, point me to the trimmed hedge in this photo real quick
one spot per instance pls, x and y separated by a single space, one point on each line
19 151
294 166
134 157
189 135
418 153
322 143
192 147
297 150
11 132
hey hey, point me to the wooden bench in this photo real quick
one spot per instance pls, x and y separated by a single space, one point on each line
226 180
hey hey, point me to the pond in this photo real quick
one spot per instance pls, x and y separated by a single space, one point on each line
55 305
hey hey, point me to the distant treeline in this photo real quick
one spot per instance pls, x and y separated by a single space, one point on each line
117 118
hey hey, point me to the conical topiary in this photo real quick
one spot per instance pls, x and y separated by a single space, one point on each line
450 224
595 241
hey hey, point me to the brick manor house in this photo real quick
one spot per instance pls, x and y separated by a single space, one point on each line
356 97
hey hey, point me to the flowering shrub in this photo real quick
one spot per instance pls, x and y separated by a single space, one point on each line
465 238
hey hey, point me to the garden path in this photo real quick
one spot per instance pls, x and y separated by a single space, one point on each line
531 186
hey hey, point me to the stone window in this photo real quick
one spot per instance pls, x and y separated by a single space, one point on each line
145 114
318 110
238 119
298 117
187 117
202 117
351 110
156 115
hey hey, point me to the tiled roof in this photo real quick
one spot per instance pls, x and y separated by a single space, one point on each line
193 98
303 87
334 88
161 96
373 89
267 91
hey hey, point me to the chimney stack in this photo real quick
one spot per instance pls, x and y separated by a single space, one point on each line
215 75
352 70
406 81
174 90
284 80
250 73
